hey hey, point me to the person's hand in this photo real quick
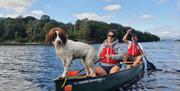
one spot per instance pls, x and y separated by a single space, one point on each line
107 56
125 54
129 31
144 53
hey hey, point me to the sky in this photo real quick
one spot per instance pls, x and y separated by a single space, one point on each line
159 17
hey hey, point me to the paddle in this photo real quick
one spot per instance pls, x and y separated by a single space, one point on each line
76 72
150 66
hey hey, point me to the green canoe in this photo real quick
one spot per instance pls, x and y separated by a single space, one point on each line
100 83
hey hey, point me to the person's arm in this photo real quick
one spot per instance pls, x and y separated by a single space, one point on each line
125 38
100 50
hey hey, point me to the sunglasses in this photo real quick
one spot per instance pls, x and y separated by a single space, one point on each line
112 36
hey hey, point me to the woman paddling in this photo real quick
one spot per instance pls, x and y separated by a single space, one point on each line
133 54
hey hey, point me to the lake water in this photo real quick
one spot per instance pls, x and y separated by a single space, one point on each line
34 67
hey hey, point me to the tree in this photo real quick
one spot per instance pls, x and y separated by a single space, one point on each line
77 24
30 30
50 24
45 18
47 26
8 31
84 29
1 29
29 18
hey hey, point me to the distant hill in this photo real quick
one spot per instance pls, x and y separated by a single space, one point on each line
29 29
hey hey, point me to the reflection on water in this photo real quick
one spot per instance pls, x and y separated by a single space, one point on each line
33 68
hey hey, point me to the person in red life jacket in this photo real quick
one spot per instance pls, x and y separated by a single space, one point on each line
133 53
111 55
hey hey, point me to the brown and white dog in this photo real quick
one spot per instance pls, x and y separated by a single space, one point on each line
67 50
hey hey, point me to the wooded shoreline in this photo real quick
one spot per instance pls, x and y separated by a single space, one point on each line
31 30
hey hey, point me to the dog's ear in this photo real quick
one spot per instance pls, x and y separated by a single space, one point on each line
49 36
47 40
62 35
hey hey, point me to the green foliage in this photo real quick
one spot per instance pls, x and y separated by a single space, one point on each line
45 18
30 29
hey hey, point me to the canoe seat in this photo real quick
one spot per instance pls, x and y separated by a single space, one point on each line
128 64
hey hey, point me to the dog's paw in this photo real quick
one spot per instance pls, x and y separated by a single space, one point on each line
63 75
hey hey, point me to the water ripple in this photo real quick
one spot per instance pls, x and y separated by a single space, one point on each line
33 68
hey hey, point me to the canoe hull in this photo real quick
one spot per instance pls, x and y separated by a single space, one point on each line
101 83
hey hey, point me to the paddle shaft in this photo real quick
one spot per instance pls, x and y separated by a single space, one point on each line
150 66
94 63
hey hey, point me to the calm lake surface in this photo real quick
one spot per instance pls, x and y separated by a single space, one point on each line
34 67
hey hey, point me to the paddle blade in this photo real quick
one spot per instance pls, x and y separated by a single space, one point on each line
150 66
72 73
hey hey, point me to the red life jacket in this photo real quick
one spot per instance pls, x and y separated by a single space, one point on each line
133 50
109 51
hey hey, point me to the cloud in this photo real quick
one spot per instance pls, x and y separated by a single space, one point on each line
13 15
146 17
37 13
15 8
34 13
18 6
114 7
166 32
93 16
1 15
